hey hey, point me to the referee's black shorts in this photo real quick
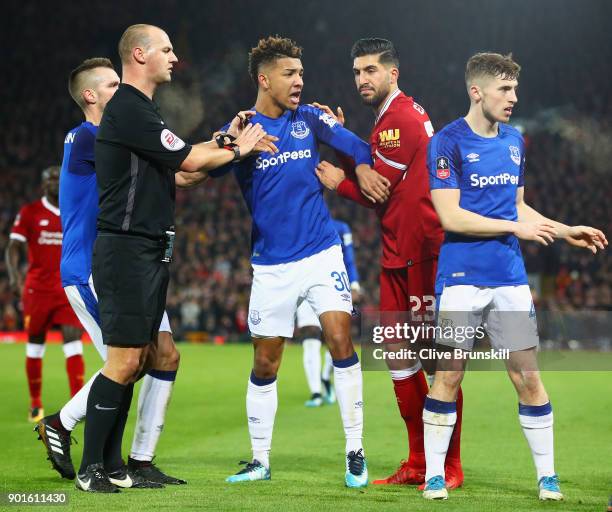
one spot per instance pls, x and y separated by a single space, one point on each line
131 283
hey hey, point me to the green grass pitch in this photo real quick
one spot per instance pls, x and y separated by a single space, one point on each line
206 435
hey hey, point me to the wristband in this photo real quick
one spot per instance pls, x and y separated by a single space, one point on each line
235 149
224 139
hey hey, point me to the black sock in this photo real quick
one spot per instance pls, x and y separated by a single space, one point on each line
112 450
55 421
103 404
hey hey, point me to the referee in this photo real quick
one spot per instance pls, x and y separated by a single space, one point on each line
137 156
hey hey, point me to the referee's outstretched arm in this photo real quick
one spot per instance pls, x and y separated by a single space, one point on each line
207 156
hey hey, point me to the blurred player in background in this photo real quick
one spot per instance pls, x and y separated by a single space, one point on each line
309 329
44 302
410 229
476 168
91 85
296 252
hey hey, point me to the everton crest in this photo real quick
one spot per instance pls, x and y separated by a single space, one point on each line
515 155
299 130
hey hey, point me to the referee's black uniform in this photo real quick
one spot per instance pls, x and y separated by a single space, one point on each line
136 157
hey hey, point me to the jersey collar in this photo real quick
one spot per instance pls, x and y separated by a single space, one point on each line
50 207
387 104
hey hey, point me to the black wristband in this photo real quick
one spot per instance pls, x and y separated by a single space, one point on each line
235 149
223 139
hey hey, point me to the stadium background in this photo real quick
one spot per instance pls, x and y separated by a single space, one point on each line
565 108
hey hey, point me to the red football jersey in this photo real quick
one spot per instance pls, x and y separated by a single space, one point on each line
411 230
39 225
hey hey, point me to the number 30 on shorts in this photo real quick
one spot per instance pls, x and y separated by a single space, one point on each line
343 281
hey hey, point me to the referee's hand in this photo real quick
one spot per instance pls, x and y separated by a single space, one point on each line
248 139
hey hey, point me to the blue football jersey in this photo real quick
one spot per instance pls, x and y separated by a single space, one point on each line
78 202
348 253
488 172
282 192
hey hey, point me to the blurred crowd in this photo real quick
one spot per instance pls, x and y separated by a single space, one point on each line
566 173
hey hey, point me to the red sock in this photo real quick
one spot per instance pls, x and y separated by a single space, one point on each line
410 394
75 368
454 447
34 373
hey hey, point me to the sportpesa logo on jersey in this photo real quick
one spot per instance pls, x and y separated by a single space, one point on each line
263 163
500 179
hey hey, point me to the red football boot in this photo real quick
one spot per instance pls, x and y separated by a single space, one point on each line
405 475
453 473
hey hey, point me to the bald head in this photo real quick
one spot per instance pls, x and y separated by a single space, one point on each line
147 57
136 36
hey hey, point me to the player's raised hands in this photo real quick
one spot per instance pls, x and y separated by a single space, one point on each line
540 231
240 122
587 237
329 175
266 145
248 139
373 185
338 116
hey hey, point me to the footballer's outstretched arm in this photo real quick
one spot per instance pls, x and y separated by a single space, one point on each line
373 185
207 156
458 220
344 183
578 236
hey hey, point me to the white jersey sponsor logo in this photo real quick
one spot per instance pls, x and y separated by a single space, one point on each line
50 238
282 158
501 179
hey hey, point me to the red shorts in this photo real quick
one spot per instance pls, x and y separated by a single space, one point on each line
407 295
41 310
409 288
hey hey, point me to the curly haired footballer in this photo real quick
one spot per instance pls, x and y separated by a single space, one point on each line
270 49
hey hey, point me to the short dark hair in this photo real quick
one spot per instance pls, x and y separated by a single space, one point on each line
78 76
387 54
270 49
491 64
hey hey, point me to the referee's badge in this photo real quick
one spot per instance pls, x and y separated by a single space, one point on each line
170 141
515 155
